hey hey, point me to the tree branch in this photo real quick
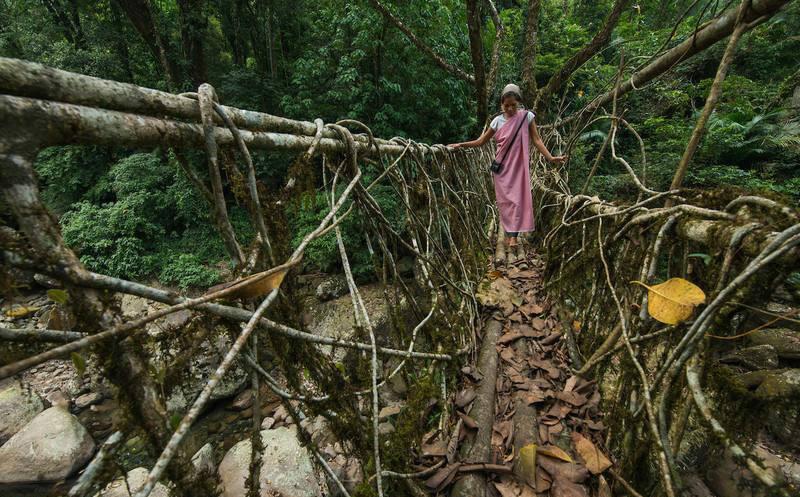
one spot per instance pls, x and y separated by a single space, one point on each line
587 52
705 36
455 71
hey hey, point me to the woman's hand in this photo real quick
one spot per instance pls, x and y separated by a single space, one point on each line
455 145
559 159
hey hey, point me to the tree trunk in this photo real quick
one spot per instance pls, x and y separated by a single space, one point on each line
529 53
587 52
709 34
193 27
120 45
476 51
67 19
140 13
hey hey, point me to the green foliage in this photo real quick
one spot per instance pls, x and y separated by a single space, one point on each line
186 271
323 253
150 224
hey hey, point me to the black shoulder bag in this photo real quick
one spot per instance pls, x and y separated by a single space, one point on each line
497 166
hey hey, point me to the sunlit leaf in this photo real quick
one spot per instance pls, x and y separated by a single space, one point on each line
79 362
526 464
58 296
674 300
21 312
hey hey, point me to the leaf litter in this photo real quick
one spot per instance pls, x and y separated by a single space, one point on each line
565 447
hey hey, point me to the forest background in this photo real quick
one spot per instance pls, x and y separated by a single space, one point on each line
133 214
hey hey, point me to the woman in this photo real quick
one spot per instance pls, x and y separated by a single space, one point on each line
512 184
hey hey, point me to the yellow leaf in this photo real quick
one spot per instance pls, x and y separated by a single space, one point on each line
673 301
556 452
21 312
58 296
595 461
526 464
255 285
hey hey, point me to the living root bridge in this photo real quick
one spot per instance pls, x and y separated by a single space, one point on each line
738 251
442 196
83 109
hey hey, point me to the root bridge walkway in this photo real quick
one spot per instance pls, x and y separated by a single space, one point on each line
526 340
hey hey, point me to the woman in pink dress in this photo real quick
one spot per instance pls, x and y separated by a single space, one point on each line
513 131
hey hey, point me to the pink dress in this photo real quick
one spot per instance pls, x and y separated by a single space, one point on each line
512 187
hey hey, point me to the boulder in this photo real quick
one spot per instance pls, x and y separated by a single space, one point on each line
18 405
88 399
783 421
165 354
286 468
727 478
348 471
52 446
331 288
136 478
780 385
203 459
762 356
785 341
335 318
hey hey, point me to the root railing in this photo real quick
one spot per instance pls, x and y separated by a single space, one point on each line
653 376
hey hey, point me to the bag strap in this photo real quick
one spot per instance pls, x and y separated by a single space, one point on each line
514 138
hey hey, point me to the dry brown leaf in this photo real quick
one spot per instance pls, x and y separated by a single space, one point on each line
535 396
527 491
563 487
573 472
435 449
603 490
538 323
595 425
592 457
509 337
464 397
516 274
555 452
543 480
544 434
570 383
468 421
497 293
255 285
507 488
443 477
572 398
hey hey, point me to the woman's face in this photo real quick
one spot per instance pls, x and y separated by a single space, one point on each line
509 105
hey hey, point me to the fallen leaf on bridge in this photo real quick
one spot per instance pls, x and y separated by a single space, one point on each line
495 293
559 470
595 461
443 477
673 301
563 487
465 396
526 464
555 452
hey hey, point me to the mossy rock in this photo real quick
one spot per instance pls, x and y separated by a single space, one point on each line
780 386
785 341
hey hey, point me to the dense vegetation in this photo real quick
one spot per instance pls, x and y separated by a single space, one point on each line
134 214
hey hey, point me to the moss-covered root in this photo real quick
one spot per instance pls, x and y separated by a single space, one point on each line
479 448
